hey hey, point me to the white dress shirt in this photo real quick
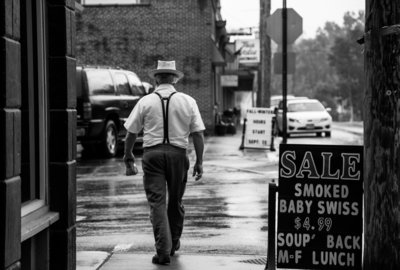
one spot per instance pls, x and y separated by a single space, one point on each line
183 118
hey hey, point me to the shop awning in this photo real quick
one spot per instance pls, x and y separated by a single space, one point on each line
217 58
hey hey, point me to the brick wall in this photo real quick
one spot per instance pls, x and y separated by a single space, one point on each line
134 37
58 251
62 132
10 137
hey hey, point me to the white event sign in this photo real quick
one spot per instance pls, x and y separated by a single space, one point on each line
258 132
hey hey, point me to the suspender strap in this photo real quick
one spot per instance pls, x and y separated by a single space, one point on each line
165 114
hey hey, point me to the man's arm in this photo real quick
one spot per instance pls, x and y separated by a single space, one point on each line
130 139
198 143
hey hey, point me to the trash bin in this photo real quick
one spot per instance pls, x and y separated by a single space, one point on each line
220 129
231 128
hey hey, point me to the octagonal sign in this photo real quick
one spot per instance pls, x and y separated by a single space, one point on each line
294 26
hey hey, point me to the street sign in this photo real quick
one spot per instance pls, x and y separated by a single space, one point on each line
320 211
291 62
294 26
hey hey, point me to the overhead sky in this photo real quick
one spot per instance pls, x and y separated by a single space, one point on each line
245 13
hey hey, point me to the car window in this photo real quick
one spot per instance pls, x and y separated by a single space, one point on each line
136 84
306 107
100 82
122 84
274 102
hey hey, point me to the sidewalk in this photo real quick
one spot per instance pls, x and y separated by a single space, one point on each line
185 262
223 152
352 127
250 160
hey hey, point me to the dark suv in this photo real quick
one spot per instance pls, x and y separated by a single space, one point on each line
105 98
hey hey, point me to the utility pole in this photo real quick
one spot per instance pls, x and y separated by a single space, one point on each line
382 135
264 91
284 72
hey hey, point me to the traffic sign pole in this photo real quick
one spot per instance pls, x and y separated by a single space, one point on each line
284 26
284 72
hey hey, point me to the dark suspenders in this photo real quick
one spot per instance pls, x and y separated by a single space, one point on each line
165 115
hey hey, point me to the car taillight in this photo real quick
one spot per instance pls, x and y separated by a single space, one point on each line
87 110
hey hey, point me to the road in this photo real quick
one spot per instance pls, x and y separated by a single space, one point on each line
226 210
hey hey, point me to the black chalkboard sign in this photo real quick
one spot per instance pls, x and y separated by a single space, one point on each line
320 207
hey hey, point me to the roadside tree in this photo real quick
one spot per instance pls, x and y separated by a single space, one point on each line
382 136
346 57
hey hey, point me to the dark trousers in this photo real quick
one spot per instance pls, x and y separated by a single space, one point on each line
165 168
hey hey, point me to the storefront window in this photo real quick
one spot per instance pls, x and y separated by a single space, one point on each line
34 154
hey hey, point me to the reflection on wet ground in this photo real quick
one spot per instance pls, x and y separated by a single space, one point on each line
226 212
227 208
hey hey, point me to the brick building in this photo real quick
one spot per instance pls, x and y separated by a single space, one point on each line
134 36
37 134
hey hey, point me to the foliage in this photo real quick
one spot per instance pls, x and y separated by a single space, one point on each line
347 59
330 66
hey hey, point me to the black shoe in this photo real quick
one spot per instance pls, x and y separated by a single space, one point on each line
163 260
175 247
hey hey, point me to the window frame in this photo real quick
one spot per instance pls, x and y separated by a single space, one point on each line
35 212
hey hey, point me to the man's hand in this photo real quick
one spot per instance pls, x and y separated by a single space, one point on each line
198 142
197 171
129 158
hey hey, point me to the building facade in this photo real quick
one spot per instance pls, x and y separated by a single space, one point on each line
37 134
134 36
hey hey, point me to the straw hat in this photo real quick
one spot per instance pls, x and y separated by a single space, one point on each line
166 67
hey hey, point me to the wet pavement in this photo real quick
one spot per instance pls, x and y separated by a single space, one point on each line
226 212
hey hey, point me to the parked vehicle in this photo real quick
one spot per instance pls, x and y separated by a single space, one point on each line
276 99
305 116
148 87
105 98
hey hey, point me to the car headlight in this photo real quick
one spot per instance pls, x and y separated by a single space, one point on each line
293 120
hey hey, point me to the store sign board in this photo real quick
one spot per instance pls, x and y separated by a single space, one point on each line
229 80
258 128
249 50
320 207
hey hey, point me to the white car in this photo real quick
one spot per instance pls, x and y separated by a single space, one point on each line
305 116
276 99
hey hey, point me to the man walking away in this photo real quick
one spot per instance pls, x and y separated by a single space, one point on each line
168 118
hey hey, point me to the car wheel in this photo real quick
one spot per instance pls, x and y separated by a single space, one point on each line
327 134
319 134
110 139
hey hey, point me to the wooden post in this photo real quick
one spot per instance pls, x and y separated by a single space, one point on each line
272 145
284 72
241 147
264 90
272 190
382 136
